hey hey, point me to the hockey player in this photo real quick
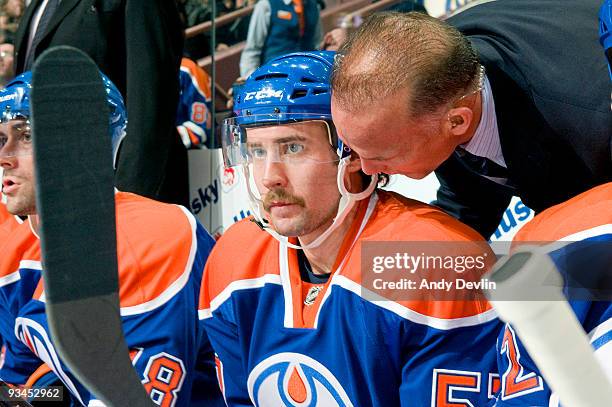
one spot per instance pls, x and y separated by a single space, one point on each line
287 312
161 254
193 115
578 237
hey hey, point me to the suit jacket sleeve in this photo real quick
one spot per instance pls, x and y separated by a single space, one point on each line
472 199
154 42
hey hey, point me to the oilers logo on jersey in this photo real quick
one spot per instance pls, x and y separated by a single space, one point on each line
293 379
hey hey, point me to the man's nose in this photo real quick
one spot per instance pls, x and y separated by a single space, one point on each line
371 167
274 174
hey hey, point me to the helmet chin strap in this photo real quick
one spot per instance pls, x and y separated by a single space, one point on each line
346 204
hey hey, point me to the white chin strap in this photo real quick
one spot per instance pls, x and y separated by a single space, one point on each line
346 204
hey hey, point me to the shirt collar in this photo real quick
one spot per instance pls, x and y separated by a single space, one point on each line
485 142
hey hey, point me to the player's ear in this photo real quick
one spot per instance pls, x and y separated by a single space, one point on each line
354 164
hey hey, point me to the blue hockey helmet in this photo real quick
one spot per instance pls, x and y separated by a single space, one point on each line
15 103
605 31
293 83
291 88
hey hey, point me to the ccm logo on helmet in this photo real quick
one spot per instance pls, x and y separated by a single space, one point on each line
7 97
264 94
293 379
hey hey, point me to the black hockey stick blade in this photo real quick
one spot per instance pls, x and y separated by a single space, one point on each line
75 200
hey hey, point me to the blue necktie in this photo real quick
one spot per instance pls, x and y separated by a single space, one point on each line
41 30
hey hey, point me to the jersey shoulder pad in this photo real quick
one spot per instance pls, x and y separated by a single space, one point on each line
156 245
588 210
244 252
399 218
18 244
418 227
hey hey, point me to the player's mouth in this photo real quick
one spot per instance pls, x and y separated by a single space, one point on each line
281 208
9 186
279 204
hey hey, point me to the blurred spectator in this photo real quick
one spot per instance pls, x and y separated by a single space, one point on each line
347 23
6 63
278 27
138 44
10 14
200 11
238 30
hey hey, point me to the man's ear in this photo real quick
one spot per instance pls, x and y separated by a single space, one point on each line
459 120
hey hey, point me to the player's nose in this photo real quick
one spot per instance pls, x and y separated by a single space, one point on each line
274 175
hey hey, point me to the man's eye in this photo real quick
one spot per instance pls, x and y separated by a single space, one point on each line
294 148
258 153
27 137
3 141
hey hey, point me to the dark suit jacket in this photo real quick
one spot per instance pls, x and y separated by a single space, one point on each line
551 90
138 45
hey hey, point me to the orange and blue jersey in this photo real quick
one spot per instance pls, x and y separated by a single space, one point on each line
7 221
277 346
161 253
578 237
193 115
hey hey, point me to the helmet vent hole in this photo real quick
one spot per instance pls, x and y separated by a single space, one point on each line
271 76
308 80
319 91
299 93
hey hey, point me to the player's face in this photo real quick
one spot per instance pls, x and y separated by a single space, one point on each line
389 141
295 170
18 167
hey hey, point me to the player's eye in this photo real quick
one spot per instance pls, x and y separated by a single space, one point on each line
3 141
294 148
26 137
257 153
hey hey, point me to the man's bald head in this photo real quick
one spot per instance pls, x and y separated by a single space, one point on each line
406 55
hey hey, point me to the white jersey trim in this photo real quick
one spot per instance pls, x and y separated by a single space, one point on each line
30 264
600 330
283 262
10 279
237 286
371 205
409 314
578 236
